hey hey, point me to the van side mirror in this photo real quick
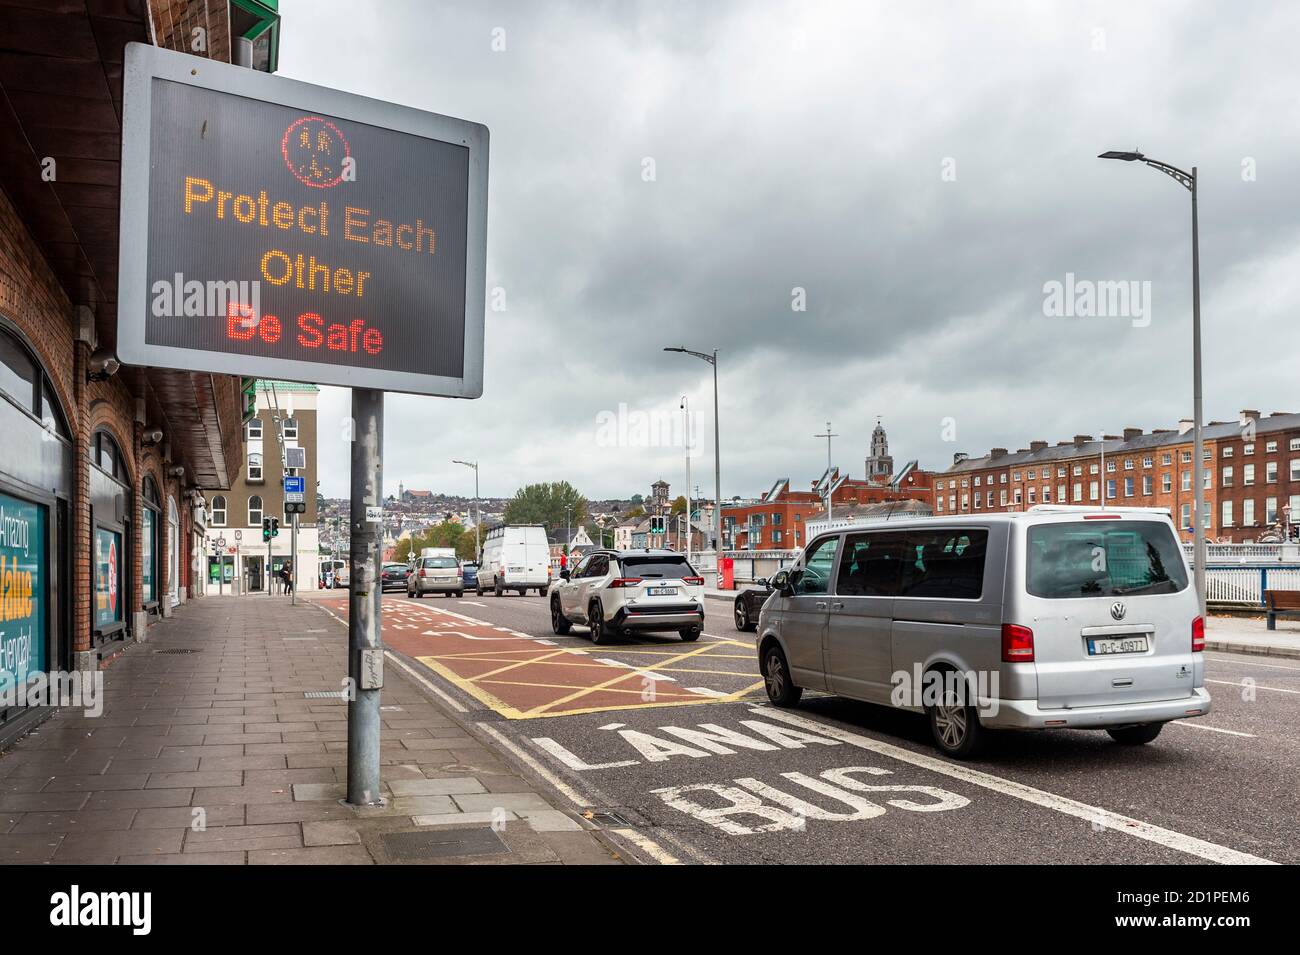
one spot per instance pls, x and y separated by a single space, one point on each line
782 584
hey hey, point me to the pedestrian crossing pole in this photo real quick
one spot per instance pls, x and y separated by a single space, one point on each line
365 647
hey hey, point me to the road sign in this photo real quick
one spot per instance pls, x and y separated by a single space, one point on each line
239 536
286 230
295 489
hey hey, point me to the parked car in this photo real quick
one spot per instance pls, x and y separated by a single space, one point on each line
515 557
333 573
469 574
392 576
612 591
748 603
1055 617
436 575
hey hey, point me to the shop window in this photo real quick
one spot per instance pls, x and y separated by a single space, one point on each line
21 380
105 453
149 543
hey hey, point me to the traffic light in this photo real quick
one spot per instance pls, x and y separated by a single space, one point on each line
275 527
248 389
266 528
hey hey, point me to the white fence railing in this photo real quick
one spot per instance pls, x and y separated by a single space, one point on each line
1247 553
1246 585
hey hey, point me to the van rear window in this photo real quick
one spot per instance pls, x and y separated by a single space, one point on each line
1103 559
444 563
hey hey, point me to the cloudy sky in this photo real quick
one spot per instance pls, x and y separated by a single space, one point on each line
674 173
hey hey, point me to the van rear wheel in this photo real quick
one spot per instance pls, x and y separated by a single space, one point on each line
1135 735
955 726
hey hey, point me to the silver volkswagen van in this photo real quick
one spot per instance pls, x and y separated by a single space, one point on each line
1055 617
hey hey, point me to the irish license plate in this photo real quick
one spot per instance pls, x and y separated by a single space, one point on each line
662 591
1103 646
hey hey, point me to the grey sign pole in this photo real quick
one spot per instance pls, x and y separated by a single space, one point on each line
365 647
293 562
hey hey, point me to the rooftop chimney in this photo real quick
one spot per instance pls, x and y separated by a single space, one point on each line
1184 425
997 453
1037 445
1248 414
1131 433
1081 439
959 457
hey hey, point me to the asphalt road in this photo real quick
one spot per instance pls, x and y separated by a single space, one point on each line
727 778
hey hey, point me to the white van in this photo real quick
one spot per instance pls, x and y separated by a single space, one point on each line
515 557
333 572
1055 617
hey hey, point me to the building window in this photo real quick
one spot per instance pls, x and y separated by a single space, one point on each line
1148 485
1110 489
104 453
255 511
1226 476
1147 461
1128 487
1270 447
1186 457
219 511
289 429
1186 482
255 429
1093 490
1270 511
1015 475
1248 474
977 480
1248 513
1227 452
1002 478
1165 459
1226 518
1166 482
1078 470
1247 449
1078 493
1060 493
1032 496
1295 469
1128 464
1110 466
1047 494
255 467
1186 513
1270 472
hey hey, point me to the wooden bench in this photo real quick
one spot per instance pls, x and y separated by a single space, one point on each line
1281 603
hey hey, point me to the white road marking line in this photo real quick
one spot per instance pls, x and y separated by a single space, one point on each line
1255 686
560 785
615 663
648 846
1248 663
1070 807
1216 729
546 643
473 603
454 704
707 691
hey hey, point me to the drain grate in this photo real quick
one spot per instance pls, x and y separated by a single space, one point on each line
606 817
178 650
442 843
323 694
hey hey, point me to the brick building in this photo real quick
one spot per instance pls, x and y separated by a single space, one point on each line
104 471
1252 476
286 414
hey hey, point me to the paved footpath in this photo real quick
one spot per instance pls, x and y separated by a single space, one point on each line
219 743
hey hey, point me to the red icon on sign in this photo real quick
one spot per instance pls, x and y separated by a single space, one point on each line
112 577
314 150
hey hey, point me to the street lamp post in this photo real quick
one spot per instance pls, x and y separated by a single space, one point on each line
829 483
478 514
712 359
686 438
1188 181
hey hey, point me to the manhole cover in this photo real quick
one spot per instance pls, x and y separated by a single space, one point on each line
178 650
441 843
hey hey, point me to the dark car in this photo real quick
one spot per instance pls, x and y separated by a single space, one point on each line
393 576
748 603
469 572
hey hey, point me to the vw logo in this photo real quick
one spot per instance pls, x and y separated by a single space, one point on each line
1117 610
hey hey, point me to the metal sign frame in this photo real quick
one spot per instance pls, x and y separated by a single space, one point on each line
145 63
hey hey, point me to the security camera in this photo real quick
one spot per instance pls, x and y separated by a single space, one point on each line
177 471
103 365
151 435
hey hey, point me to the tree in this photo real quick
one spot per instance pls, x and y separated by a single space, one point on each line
637 500
546 504
635 513
679 505
446 534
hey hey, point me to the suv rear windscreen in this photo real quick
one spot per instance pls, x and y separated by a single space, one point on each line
444 563
673 568
1103 559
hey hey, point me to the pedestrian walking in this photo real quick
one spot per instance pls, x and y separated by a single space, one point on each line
286 574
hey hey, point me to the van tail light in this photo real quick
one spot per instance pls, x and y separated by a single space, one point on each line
1017 644
625 581
1198 635
695 581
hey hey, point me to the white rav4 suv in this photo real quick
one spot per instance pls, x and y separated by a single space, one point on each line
612 591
